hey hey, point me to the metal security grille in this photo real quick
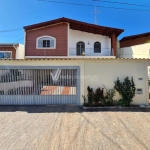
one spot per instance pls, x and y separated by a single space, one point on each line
38 86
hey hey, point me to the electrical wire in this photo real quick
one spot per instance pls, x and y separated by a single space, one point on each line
10 36
18 40
11 30
122 3
77 4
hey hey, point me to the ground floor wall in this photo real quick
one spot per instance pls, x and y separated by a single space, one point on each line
96 73
108 72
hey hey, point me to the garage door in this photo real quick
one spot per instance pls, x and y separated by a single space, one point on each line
39 85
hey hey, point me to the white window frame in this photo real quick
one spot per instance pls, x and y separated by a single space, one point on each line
6 52
46 36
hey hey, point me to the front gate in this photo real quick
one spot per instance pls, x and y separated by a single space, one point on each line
39 85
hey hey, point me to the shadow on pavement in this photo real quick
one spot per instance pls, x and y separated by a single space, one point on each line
65 109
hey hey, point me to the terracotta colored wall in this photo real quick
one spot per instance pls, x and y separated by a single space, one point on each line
136 41
60 32
9 49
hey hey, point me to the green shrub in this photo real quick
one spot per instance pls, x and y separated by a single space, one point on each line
93 98
126 89
97 98
108 97
90 95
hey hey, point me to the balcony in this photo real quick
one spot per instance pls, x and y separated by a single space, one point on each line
72 53
105 52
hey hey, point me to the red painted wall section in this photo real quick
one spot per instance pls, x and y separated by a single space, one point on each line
59 31
12 49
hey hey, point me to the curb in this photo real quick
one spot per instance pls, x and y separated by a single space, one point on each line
113 107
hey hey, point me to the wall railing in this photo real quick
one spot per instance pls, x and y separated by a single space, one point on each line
90 52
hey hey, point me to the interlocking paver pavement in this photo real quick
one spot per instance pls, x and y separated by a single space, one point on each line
71 128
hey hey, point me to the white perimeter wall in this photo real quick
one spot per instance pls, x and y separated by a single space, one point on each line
107 72
138 51
77 36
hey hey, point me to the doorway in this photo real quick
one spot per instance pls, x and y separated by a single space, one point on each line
80 48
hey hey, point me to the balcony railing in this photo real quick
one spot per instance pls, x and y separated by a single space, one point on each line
90 52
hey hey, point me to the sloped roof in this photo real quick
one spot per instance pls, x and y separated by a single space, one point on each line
78 25
8 44
135 36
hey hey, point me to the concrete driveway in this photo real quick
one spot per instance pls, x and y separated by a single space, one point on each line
70 128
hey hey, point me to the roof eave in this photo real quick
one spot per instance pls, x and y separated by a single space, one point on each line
70 21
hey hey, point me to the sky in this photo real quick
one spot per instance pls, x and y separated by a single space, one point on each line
15 14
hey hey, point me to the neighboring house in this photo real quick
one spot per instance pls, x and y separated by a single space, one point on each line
11 51
70 38
134 40
135 46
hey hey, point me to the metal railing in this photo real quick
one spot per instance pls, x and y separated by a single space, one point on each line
90 52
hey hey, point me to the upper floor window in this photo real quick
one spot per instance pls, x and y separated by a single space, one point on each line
5 54
45 42
97 47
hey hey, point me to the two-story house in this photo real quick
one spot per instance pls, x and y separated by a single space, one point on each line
70 38
62 58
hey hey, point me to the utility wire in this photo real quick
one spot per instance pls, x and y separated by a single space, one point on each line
11 30
10 36
51 1
18 40
122 3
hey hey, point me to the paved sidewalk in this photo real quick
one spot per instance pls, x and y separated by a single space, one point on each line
70 128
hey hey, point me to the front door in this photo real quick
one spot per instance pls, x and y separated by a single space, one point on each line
80 48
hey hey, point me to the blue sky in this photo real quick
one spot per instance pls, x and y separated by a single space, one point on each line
18 13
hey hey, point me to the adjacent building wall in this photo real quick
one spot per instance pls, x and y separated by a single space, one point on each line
58 31
137 51
89 39
96 73
20 52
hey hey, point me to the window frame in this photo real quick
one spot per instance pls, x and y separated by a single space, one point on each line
6 52
45 36
100 47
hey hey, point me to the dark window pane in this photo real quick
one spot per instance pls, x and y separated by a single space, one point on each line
97 47
1 54
7 55
48 43
44 43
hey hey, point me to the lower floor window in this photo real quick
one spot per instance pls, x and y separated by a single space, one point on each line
5 54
